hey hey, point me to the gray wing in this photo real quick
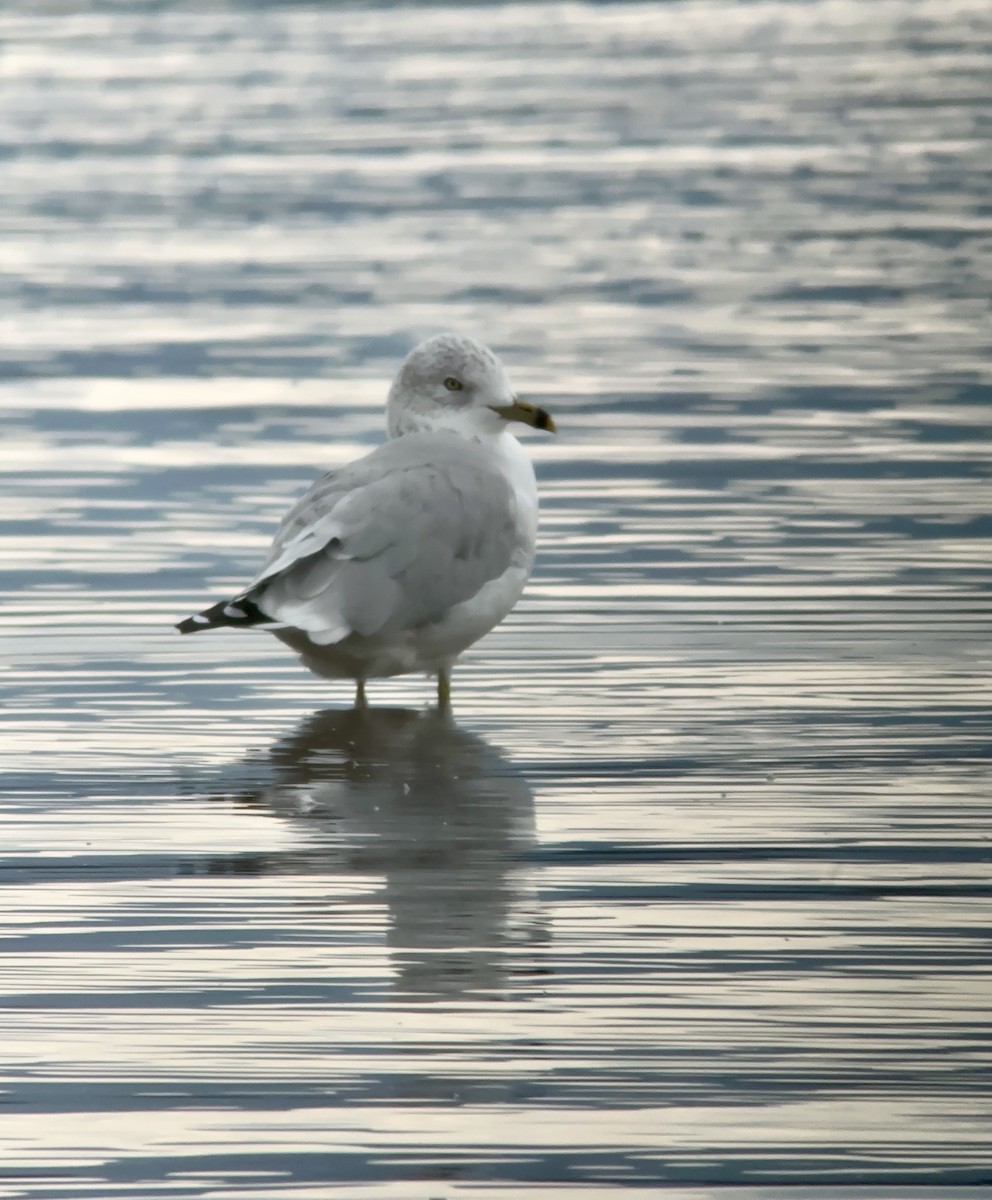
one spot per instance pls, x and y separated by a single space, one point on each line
390 542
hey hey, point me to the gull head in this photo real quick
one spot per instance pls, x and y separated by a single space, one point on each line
455 383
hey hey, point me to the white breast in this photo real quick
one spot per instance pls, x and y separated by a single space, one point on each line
440 644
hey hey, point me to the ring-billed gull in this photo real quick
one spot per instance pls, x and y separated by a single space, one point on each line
401 560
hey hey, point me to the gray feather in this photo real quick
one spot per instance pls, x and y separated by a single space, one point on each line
390 542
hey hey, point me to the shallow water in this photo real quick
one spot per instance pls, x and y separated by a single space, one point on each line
695 890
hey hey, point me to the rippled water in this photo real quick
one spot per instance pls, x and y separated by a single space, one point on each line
696 889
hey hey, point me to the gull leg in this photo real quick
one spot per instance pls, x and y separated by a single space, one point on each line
361 700
444 690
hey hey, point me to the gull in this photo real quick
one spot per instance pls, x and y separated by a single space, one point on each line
399 561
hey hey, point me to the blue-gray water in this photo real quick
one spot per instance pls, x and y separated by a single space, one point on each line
696 890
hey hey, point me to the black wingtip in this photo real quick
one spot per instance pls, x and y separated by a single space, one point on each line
192 625
240 612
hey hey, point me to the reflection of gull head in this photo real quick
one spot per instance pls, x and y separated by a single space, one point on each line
436 811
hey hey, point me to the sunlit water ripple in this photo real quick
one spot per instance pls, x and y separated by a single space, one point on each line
695 891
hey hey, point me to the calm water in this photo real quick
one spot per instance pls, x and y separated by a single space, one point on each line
695 891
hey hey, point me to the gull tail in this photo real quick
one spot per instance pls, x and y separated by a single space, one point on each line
240 613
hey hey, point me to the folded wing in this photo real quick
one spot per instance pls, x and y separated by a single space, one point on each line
389 543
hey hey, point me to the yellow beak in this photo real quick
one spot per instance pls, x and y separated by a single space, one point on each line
529 414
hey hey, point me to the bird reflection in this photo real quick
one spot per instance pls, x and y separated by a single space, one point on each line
441 815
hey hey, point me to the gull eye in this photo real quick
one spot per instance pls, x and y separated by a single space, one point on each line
453 384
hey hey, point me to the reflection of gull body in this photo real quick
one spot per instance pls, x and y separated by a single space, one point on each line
401 560
436 811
